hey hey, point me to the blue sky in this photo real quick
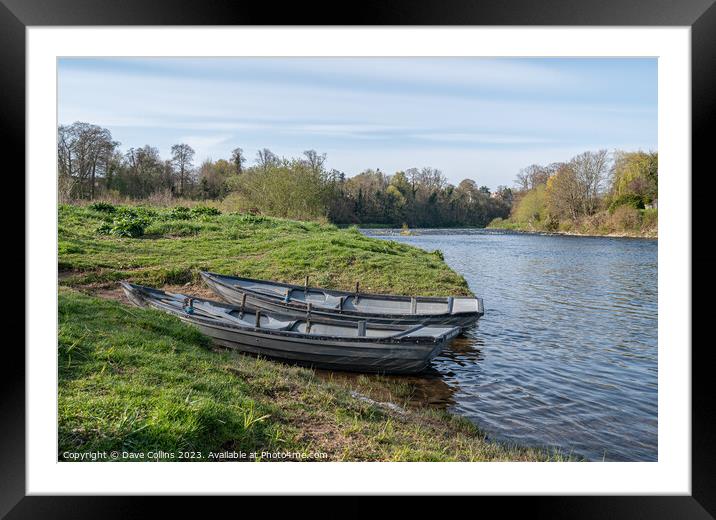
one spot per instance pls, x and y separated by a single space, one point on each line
478 118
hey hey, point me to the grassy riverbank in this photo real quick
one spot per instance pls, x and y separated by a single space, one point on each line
138 380
174 250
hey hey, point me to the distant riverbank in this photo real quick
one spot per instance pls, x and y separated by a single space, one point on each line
623 223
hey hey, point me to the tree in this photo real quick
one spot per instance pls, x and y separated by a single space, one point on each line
266 159
591 170
534 175
315 160
214 178
144 171
531 208
505 194
84 152
182 157
564 195
636 173
238 160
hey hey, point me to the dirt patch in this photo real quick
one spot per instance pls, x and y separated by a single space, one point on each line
323 433
113 291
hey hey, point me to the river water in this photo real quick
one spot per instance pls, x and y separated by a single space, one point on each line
566 353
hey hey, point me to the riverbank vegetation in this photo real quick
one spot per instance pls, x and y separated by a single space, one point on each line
138 380
593 193
92 166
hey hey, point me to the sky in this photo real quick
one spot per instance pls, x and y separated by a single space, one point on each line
477 118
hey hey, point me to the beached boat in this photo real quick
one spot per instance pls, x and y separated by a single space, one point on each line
313 341
294 300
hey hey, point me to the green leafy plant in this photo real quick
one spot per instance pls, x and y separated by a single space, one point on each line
180 213
629 199
127 223
104 207
207 211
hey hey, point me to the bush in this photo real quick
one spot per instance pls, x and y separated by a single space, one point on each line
630 200
104 207
565 226
128 222
125 226
650 219
625 218
179 213
208 211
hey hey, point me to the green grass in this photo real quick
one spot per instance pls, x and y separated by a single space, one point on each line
173 251
138 380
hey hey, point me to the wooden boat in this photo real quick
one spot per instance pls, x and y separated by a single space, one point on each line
311 340
294 300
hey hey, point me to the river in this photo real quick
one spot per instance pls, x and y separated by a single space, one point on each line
566 353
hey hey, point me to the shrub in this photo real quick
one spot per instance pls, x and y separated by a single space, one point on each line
625 218
180 213
127 222
565 226
208 211
630 200
439 254
135 211
650 219
104 207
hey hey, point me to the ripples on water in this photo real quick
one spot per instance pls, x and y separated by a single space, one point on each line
566 354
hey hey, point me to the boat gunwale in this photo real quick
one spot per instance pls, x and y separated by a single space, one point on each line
215 278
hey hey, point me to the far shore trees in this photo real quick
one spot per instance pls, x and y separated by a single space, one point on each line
597 189
547 197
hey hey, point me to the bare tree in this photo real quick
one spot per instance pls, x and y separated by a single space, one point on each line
265 159
84 152
591 170
182 157
534 175
315 160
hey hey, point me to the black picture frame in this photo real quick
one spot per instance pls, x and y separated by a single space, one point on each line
700 15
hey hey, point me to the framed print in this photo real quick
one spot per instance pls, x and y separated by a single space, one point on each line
420 254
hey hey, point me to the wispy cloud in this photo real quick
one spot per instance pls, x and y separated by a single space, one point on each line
369 108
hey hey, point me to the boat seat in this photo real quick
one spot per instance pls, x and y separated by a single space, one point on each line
275 324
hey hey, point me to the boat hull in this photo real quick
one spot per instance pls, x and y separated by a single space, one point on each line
406 353
336 355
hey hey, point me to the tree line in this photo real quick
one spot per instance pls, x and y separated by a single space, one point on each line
91 165
596 189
